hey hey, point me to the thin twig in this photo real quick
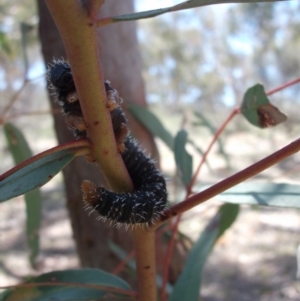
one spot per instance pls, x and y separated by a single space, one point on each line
215 138
123 263
223 126
168 258
104 21
284 86
231 181
16 95
14 98
73 284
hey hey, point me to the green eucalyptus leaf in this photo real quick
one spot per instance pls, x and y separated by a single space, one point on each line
33 201
183 159
258 110
20 151
35 174
182 6
17 143
72 292
152 123
228 214
188 285
264 194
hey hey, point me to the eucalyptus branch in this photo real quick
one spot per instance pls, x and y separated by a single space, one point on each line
229 182
215 138
191 184
80 39
284 86
78 31
144 242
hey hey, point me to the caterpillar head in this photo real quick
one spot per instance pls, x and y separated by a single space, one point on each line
61 76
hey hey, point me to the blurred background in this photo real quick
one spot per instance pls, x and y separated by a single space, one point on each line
199 61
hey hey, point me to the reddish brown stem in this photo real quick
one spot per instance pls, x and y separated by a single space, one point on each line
215 138
189 192
168 259
192 183
286 85
231 181
123 263
73 284
223 126
14 98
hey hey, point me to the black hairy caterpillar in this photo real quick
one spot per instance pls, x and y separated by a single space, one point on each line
142 206
149 199
60 76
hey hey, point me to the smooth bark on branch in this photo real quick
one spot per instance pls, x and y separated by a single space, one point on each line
122 65
91 236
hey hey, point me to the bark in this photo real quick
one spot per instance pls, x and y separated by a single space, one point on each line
122 64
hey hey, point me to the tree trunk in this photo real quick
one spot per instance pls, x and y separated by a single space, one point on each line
122 65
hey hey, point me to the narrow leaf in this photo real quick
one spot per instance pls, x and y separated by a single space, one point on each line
20 151
258 110
183 159
191 276
24 29
17 143
152 123
141 15
182 6
264 194
38 170
33 201
34 175
74 291
228 214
